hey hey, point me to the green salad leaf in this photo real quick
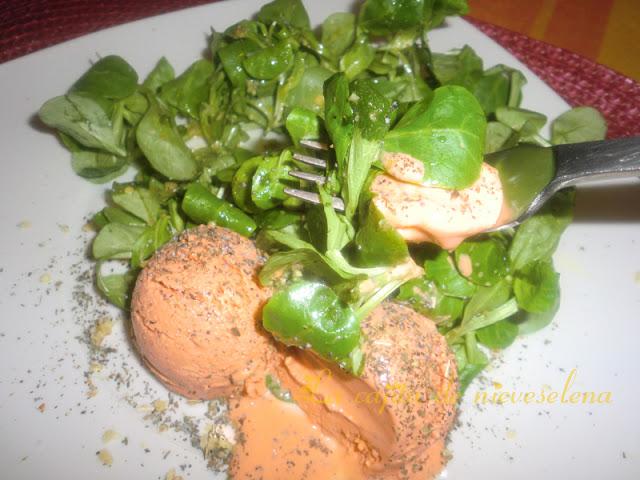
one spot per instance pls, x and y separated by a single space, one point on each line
268 63
338 33
362 154
463 67
162 73
110 78
269 180
482 320
83 119
116 287
442 271
385 17
338 116
116 241
310 315
525 122
357 58
188 91
437 10
499 335
162 144
536 287
98 167
580 124
529 323
302 124
498 137
492 91
232 57
382 17
138 201
377 242
291 12
446 133
537 238
152 238
304 87
487 260
426 298
116 215
471 360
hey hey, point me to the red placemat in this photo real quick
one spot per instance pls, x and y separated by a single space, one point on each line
29 25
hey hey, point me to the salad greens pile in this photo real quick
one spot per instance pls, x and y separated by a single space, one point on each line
367 84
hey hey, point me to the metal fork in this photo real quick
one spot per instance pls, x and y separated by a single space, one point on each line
304 195
530 174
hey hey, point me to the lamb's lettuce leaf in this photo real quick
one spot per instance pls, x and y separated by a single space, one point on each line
446 133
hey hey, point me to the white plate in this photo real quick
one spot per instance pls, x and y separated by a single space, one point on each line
42 361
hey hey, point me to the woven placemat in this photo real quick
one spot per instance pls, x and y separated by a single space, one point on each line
29 25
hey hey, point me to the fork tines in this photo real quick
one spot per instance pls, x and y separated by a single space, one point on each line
316 162
314 145
311 177
314 198
311 197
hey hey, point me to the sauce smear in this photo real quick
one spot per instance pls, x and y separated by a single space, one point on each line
277 440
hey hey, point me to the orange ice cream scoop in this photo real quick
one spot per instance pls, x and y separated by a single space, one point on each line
196 314
396 416
423 213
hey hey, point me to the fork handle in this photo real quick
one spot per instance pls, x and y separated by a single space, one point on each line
602 159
